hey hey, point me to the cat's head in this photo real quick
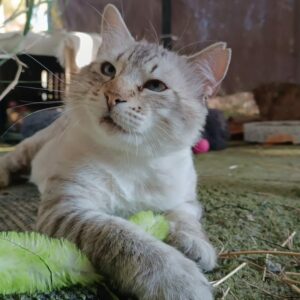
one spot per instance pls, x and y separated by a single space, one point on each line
139 96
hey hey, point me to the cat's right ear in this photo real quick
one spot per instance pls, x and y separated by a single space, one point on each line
213 63
114 31
215 46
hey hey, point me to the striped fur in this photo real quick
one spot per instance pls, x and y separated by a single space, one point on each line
133 260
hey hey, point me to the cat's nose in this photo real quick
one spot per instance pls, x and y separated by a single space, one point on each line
113 100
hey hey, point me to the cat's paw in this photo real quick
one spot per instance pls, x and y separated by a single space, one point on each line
4 176
178 278
199 250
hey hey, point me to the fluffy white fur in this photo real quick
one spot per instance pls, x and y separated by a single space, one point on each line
113 161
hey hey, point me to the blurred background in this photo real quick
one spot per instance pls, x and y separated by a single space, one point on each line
261 84
264 34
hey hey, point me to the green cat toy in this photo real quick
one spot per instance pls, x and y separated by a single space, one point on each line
31 262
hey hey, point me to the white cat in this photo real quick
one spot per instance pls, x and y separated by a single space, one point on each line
123 144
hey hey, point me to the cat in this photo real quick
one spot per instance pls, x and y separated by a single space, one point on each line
122 145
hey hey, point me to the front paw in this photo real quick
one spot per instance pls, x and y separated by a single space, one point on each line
4 176
199 250
177 278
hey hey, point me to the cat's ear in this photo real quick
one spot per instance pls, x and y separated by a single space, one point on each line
213 63
218 45
113 27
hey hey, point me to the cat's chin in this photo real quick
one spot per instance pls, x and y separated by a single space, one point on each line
111 126
113 134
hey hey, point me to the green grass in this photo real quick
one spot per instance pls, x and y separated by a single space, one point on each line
251 197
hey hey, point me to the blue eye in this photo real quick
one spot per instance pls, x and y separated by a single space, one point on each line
108 69
155 85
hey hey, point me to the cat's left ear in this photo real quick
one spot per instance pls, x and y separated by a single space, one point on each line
212 63
113 28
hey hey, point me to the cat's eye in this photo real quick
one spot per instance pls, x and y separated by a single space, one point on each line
155 85
108 69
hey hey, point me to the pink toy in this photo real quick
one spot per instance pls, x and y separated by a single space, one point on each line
201 147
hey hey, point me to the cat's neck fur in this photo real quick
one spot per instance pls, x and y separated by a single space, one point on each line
77 148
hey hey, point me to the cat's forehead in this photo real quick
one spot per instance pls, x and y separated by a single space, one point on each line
143 53
143 59
149 58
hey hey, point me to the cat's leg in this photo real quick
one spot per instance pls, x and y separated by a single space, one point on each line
20 159
187 235
135 261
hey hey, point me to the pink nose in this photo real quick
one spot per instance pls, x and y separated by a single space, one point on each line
113 100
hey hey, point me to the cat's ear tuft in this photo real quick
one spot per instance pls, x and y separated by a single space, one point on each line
113 25
212 63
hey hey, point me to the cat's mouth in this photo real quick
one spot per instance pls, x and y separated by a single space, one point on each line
108 121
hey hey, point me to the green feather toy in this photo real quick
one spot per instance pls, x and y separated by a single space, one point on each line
31 262
155 225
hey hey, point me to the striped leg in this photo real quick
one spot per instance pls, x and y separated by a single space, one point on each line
135 261
188 237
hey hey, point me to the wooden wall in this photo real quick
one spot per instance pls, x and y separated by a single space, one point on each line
264 34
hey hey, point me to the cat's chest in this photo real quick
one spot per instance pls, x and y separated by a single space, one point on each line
118 184
129 189
148 189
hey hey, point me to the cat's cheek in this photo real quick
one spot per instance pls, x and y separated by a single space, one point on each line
147 124
164 112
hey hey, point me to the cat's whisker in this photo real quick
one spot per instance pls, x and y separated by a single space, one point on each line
186 27
150 142
102 17
37 88
72 125
165 134
156 140
152 145
95 9
127 154
136 144
73 107
42 65
179 51
52 73
122 8
156 38
36 112
38 103
23 118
